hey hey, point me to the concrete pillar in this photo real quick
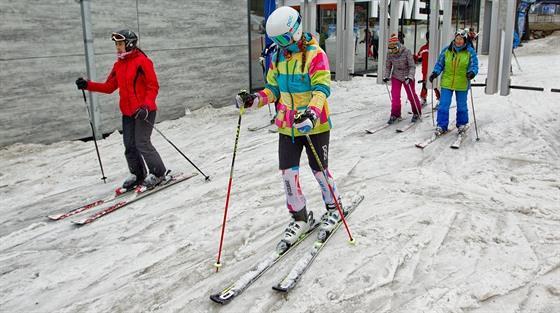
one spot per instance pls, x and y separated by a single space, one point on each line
494 48
394 21
434 38
309 16
508 47
93 110
344 39
383 37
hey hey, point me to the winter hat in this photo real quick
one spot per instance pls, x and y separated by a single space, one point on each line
394 39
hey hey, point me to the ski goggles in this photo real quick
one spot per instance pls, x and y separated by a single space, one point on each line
286 38
461 32
117 37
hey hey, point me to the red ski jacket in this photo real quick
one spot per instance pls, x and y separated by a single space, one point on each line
423 54
137 82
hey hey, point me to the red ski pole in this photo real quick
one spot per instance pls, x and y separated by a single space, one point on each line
218 263
352 241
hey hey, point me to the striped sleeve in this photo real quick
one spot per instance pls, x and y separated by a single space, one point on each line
271 91
320 75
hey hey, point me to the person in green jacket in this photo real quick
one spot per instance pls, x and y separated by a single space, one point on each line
457 64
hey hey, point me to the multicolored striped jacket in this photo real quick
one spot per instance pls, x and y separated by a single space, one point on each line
401 64
296 88
455 63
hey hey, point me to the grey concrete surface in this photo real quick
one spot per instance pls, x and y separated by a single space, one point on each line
199 48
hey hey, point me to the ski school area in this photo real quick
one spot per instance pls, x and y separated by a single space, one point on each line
475 229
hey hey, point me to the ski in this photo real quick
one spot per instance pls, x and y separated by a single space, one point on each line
139 193
434 137
120 192
407 126
289 281
381 127
255 128
460 138
256 271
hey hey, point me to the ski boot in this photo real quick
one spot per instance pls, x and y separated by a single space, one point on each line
439 131
129 183
393 120
150 182
415 118
461 129
329 220
299 226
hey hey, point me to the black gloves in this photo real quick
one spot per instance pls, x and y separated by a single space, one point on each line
407 80
470 75
142 113
385 80
81 83
245 99
432 77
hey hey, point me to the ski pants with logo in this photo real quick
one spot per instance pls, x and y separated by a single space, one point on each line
139 148
445 103
289 154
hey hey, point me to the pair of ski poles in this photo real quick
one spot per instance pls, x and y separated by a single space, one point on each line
104 178
218 263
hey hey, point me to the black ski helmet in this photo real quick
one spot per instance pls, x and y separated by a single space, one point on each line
129 37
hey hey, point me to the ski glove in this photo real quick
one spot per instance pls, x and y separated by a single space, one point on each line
432 77
246 99
386 79
470 75
81 83
304 121
142 113
407 81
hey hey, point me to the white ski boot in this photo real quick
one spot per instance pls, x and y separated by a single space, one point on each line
299 226
329 220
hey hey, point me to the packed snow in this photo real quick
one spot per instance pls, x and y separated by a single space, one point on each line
440 230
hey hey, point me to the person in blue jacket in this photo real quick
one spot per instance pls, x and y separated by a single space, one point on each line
458 65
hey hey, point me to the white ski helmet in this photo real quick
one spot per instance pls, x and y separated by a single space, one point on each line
284 25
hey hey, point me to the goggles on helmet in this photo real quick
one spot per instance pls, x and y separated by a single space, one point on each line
286 38
461 32
117 37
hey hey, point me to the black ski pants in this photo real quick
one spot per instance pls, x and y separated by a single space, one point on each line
139 148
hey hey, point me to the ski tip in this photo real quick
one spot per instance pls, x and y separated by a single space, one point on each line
217 299
454 147
54 217
419 146
79 223
280 289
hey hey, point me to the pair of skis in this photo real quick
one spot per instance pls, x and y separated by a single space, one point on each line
461 136
290 280
137 194
386 125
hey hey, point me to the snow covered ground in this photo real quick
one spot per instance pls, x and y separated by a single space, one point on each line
440 230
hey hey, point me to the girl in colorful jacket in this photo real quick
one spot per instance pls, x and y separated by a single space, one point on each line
400 69
134 75
458 64
299 80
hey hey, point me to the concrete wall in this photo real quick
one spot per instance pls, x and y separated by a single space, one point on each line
199 48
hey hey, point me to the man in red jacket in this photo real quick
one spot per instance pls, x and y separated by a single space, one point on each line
423 55
134 75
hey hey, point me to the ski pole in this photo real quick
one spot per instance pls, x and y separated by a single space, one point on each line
433 120
103 177
218 263
414 103
517 61
318 160
207 178
474 115
388 92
